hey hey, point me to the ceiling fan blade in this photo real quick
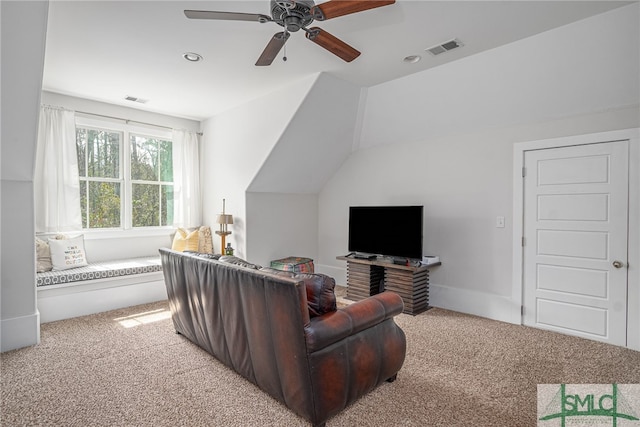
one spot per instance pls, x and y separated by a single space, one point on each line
332 44
273 47
227 16
335 8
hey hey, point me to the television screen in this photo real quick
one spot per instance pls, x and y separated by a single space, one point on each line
386 230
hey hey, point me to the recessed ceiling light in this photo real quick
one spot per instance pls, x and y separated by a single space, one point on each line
412 59
192 57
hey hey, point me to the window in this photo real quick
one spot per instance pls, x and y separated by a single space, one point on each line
124 185
151 181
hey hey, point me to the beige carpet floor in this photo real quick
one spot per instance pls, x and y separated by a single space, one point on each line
128 368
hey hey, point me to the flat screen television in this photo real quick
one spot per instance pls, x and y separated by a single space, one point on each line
394 231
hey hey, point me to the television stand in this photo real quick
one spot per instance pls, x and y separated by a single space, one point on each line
370 277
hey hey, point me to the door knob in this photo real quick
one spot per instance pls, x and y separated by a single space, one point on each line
618 264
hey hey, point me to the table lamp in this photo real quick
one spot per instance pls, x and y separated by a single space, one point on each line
223 219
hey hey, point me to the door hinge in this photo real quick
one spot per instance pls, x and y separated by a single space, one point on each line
522 310
524 171
523 241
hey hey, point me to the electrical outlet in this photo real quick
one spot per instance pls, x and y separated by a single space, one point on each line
500 222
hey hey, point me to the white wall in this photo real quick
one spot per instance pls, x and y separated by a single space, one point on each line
289 142
23 32
281 225
588 66
96 107
317 139
265 158
453 130
234 147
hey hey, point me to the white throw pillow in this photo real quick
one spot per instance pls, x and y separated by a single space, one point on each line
68 253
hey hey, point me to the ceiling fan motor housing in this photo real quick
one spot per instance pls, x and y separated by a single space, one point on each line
292 15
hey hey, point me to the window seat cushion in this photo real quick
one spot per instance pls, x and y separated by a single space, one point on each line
100 270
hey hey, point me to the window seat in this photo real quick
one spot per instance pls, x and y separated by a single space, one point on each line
99 270
98 287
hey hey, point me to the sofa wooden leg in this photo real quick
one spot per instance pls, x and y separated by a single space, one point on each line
393 378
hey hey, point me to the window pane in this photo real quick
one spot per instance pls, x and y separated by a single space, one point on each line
103 150
83 202
166 161
104 204
166 214
144 158
145 205
81 150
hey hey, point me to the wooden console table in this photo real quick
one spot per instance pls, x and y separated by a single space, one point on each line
370 277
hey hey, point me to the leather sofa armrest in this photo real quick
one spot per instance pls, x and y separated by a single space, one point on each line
332 327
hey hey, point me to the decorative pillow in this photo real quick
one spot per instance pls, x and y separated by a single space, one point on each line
68 253
321 297
43 256
205 243
183 241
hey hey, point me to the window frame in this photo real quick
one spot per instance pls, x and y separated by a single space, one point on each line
126 214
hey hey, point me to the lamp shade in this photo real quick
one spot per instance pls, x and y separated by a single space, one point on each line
224 219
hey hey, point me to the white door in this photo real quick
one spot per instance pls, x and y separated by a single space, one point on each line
575 240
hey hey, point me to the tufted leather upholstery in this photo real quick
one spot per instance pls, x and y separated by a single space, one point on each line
258 324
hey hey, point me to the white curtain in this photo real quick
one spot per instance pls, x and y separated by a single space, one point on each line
56 182
187 209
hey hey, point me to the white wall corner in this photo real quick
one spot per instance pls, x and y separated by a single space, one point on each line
362 106
20 332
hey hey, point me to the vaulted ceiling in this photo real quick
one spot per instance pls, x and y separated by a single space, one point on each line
110 50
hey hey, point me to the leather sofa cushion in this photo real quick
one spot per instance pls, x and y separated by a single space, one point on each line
229 259
321 297
204 255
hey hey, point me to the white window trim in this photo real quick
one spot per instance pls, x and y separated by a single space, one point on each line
126 229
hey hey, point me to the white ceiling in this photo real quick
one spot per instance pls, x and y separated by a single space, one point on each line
106 51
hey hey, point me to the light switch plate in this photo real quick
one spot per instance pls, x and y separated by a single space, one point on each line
500 222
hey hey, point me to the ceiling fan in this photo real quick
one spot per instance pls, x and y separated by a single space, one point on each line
297 15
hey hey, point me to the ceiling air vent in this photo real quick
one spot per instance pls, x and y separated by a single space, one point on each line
136 99
444 47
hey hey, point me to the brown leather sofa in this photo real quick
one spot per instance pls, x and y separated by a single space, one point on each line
258 324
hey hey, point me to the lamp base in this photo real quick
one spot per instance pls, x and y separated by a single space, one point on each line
223 235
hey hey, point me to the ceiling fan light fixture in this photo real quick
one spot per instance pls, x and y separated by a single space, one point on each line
412 59
295 15
192 57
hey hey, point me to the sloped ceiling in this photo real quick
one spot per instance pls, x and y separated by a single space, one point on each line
581 68
316 142
107 50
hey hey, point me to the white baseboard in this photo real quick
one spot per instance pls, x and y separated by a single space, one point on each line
20 332
96 296
482 304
